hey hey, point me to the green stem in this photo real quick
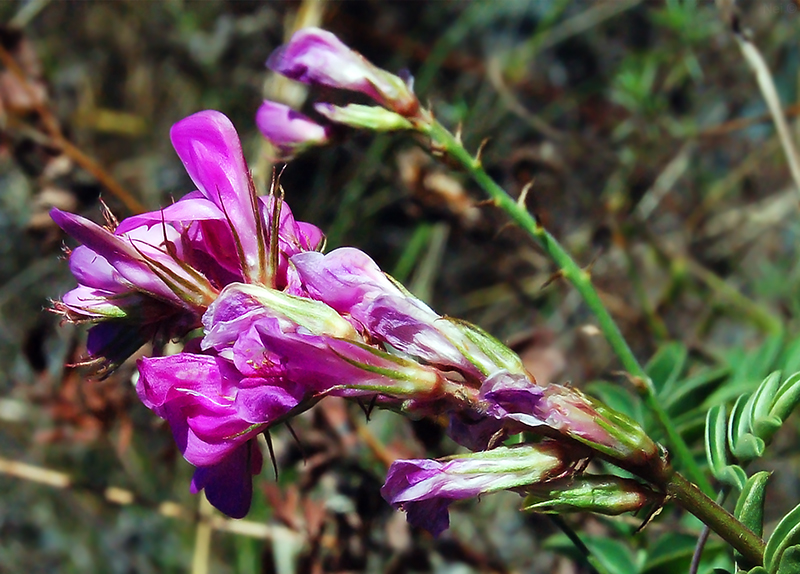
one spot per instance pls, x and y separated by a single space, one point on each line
580 278
717 518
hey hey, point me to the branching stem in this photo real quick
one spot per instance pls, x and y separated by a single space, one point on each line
580 278
717 518
684 492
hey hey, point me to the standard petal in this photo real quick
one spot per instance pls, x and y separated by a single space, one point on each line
209 147
191 207
160 375
347 279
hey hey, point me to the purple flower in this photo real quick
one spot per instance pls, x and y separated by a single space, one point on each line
570 412
425 488
290 132
210 406
153 276
316 56
269 356
272 334
350 282
215 413
145 259
133 283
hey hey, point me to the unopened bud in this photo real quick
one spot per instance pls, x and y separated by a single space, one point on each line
316 56
425 488
609 495
364 117
289 131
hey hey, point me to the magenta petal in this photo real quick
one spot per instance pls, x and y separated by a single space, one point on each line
161 375
514 397
229 483
410 327
319 57
353 284
316 56
191 394
115 251
209 148
344 278
431 515
424 509
263 402
189 208
92 270
288 130
197 451
126 254
210 407
310 236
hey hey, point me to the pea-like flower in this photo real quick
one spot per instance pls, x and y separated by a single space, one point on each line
277 325
315 56
353 284
425 488
153 275
269 356
573 414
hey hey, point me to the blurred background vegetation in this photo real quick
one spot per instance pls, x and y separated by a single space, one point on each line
653 160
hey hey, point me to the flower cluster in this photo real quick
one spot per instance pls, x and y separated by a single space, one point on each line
271 325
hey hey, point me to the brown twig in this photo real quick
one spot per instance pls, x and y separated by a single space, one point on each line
60 142
123 497
743 123
766 83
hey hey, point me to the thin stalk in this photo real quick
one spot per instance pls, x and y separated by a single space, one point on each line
703 538
717 518
595 566
443 140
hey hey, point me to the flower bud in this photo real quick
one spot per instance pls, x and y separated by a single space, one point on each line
425 488
609 495
289 132
571 413
315 56
365 117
